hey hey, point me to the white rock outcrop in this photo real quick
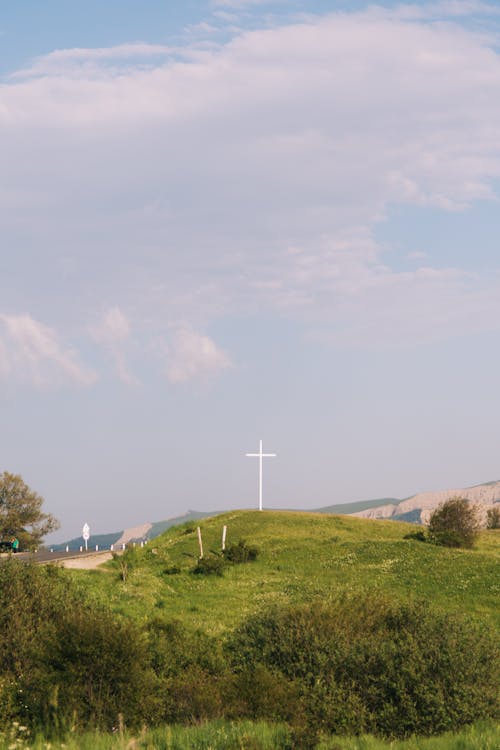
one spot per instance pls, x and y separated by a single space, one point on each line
483 495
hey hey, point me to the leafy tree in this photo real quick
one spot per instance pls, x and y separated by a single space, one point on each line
21 512
455 523
493 517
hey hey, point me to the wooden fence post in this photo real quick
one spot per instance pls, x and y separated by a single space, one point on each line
200 543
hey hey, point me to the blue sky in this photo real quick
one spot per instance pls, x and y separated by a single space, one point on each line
225 221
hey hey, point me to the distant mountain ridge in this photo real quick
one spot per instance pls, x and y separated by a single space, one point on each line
418 508
414 509
135 534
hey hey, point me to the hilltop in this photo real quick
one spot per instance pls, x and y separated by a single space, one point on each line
414 509
302 557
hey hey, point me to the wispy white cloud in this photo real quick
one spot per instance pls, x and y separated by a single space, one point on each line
252 175
238 4
32 353
455 8
418 255
112 331
87 60
194 356
440 10
119 52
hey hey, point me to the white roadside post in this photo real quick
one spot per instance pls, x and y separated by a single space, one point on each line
86 535
260 455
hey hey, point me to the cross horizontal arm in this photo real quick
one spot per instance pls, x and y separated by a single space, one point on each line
261 455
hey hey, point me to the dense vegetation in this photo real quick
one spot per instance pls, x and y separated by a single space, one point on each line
309 630
455 523
21 513
65 659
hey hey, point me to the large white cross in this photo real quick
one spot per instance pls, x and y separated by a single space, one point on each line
260 456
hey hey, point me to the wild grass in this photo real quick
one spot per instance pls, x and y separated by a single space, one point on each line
481 736
218 735
249 736
302 557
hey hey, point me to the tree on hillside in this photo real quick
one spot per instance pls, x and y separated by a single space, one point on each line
455 523
493 517
21 512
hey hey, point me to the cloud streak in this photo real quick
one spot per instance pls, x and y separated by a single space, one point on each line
251 176
112 332
194 356
32 353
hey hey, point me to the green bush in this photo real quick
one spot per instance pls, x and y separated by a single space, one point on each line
493 517
99 668
241 552
261 693
418 536
174 648
455 523
173 570
373 665
449 538
65 660
190 672
209 565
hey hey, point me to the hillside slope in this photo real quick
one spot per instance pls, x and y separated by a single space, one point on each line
302 557
415 509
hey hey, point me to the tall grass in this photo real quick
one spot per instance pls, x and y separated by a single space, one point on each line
248 736
218 735
481 736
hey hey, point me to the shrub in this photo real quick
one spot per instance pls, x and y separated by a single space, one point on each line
374 665
259 692
175 648
173 570
209 565
493 517
455 523
100 668
65 659
241 552
190 672
419 535
126 562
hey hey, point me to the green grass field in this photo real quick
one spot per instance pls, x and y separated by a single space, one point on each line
302 556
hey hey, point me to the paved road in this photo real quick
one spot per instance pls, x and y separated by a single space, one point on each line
45 556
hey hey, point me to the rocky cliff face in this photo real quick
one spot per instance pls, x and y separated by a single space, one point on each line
484 495
138 532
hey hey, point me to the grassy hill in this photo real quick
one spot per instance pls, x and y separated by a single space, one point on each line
302 557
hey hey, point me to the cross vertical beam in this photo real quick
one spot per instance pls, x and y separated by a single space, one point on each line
260 455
